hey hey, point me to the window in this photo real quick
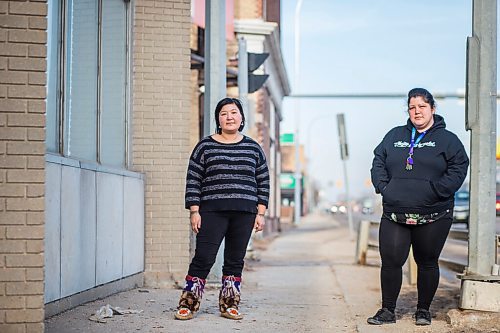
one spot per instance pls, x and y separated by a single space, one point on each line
88 80
81 80
114 70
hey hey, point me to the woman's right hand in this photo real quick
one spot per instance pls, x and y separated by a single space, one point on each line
195 219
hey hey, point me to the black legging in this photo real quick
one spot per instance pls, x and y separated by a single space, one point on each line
236 228
427 241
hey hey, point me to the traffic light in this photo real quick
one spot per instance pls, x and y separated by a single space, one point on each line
249 82
255 81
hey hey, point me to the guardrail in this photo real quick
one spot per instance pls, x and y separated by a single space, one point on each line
458 267
364 243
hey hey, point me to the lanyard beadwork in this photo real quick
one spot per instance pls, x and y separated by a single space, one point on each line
413 143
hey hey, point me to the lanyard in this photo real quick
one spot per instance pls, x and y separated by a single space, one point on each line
413 143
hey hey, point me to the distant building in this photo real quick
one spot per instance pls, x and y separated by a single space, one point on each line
288 177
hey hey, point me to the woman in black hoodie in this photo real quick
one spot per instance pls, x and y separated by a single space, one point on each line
417 168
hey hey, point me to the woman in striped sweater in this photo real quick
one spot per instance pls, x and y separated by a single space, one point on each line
227 192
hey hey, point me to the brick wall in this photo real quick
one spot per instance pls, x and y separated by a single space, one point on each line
23 36
273 11
262 109
195 117
245 9
161 132
194 122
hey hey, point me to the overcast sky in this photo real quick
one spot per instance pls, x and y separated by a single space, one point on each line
362 46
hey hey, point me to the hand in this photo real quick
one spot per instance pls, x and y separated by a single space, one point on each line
260 221
195 219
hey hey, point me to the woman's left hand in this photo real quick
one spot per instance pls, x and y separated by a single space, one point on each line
260 221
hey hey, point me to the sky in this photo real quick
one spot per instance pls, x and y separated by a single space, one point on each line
363 46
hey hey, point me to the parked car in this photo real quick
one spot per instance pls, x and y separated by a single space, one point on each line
461 209
367 206
497 205
338 208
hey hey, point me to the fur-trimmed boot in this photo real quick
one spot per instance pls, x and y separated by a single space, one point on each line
229 297
191 297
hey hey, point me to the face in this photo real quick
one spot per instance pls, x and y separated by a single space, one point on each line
421 113
230 118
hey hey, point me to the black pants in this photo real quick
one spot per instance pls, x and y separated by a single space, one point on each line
236 228
427 241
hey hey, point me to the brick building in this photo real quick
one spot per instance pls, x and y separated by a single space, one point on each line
22 164
94 130
96 127
258 23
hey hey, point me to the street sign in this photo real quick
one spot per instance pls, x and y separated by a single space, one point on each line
344 153
287 181
286 138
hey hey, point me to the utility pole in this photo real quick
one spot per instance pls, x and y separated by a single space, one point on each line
215 86
478 291
243 80
215 61
344 155
298 175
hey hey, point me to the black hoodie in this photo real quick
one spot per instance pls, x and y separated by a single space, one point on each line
439 169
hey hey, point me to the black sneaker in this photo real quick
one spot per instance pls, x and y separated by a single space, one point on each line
422 317
383 316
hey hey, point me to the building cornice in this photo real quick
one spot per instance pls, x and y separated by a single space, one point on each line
254 27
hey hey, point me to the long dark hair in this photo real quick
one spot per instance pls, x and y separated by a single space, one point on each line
220 105
424 93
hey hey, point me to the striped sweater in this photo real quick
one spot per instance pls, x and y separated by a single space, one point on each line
227 176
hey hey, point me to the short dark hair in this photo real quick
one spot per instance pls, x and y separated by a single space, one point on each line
220 105
421 92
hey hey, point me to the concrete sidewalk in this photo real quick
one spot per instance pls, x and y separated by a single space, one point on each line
304 281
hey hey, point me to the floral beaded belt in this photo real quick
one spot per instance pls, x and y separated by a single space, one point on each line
414 219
